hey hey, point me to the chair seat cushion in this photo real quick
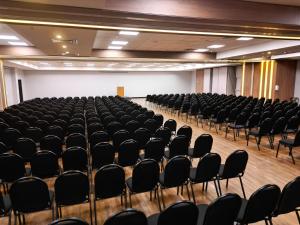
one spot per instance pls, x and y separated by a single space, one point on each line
221 170
162 178
202 208
167 154
236 126
129 183
254 132
5 205
193 172
191 152
288 142
242 210
153 219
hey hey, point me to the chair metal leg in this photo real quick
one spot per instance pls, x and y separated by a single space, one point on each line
270 221
226 131
193 193
162 198
242 185
130 201
298 216
258 142
206 186
266 222
158 198
216 187
91 211
95 211
188 191
291 154
247 138
219 184
278 150
227 181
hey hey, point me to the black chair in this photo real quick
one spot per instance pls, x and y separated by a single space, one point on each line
94 127
234 167
186 131
139 184
264 130
10 136
165 134
132 126
72 188
141 118
278 128
34 133
44 164
151 125
154 149
290 143
113 127
223 210
207 170
76 140
12 167
57 131
128 153
289 200
260 205
69 221
202 146
30 194
109 183
292 126
178 146
25 147
3 148
218 120
172 125
52 143
75 158
76 128
126 118
180 213
236 126
97 137
128 216
142 136
159 119
176 174
21 126
119 137
103 154
5 207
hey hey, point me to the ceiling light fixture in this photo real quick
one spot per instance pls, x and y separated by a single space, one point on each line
130 33
244 38
64 46
201 50
58 36
119 42
114 47
91 64
18 43
216 46
8 37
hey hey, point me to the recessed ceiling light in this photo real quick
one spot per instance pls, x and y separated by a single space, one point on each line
67 52
131 33
113 47
18 43
244 38
119 42
8 37
64 46
91 64
58 36
216 46
68 64
269 53
201 50
44 63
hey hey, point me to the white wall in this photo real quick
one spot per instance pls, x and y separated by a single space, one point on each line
297 83
206 81
11 86
219 81
93 83
239 73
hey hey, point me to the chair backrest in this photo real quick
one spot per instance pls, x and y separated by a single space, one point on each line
179 146
151 125
279 126
208 167
113 127
51 143
25 147
142 136
128 153
44 164
128 216
223 210
183 212
297 139
177 171
10 136
29 194
132 125
186 131
159 119
94 127
261 203
34 133
109 181
75 158
253 120
103 154
289 199
56 130
12 167
120 136
3 148
203 145
69 221
293 123
265 126
164 133
241 119
76 140
235 164
154 149
148 168
171 124
97 137
71 187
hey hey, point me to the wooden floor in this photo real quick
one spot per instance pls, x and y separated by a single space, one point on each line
263 168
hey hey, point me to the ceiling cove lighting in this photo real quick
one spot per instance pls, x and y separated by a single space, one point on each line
137 30
8 37
119 42
91 64
129 33
216 46
201 50
17 43
244 38
112 47
58 36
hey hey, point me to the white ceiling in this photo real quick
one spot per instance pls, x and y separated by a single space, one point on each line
7 30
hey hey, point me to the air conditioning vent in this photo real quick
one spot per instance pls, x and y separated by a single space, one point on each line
72 42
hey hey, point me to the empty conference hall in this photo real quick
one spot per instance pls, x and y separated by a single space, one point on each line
139 112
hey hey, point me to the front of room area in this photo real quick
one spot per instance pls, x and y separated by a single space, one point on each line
149 113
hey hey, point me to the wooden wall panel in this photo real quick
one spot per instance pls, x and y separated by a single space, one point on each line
256 79
285 77
199 81
248 79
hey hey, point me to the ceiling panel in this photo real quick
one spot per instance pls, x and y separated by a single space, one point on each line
280 2
6 30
